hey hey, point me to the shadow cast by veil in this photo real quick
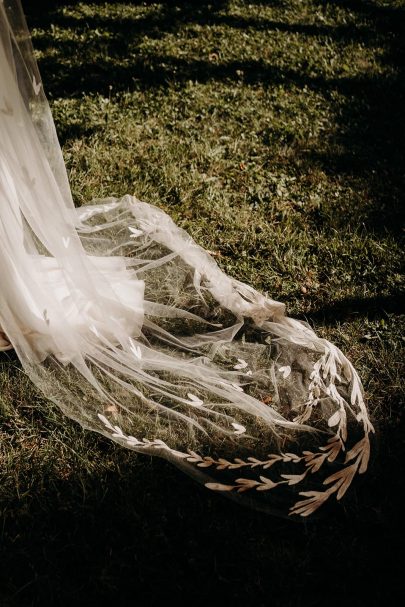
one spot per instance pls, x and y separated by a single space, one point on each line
359 307
142 529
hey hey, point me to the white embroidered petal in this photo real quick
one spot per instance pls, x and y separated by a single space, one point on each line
105 421
242 364
36 85
266 485
334 419
194 400
286 371
136 350
219 487
131 440
134 232
239 429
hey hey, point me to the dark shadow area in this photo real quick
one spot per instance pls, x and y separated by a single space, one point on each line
144 533
141 531
370 307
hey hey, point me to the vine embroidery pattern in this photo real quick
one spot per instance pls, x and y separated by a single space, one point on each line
322 382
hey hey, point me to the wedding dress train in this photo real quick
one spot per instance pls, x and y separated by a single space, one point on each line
120 318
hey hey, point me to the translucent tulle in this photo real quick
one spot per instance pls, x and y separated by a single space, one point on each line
120 318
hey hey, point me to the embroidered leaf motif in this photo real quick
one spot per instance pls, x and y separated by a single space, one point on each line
219 487
334 419
36 85
193 457
131 440
204 464
361 449
245 484
285 371
308 506
136 350
194 400
266 485
134 232
323 379
241 364
239 429
294 479
105 421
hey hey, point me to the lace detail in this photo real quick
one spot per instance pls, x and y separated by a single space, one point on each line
310 462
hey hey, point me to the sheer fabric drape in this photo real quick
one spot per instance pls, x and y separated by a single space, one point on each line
120 318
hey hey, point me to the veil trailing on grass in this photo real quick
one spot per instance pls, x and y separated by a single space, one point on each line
120 318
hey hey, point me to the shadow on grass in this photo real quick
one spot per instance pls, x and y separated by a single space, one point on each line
146 533
142 531
365 307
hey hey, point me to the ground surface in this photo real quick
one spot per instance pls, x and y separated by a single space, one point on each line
274 132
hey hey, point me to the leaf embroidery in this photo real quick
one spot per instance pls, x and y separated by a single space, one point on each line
219 487
36 85
324 369
241 364
136 350
239 429
194 400
285 371
334 419
134 232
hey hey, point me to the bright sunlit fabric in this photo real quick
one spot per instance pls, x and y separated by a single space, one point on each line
120 318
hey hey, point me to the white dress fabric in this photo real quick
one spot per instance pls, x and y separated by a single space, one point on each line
120 318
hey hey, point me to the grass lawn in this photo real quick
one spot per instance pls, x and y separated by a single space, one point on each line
273 131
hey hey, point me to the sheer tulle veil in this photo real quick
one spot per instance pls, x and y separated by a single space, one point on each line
120 318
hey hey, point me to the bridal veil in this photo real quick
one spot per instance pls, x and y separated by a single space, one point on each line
120 318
